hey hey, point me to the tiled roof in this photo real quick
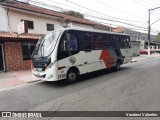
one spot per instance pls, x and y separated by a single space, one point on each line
119 29
33 8
21 36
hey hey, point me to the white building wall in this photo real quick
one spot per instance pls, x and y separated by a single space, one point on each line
38 21
142 44
77 25
3 20
135 48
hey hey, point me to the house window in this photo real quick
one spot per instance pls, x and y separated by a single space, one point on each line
50 27
29 23
27 50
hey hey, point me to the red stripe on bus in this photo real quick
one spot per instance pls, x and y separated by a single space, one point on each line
107 58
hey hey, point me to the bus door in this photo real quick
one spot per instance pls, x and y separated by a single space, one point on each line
68 50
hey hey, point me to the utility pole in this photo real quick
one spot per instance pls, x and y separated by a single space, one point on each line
110 28
149 30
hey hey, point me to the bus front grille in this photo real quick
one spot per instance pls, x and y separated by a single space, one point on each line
39 65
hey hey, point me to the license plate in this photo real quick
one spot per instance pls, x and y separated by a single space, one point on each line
38 69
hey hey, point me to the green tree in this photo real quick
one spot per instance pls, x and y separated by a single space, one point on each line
158 37
73 13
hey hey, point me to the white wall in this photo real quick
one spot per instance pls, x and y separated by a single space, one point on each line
135 48
80 25
3 20
142 44
38 21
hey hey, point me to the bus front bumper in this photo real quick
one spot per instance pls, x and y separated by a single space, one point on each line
44 76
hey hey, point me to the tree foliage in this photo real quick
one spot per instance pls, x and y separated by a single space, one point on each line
158 37
73 13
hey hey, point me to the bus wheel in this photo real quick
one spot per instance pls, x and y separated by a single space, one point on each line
72 76
118 66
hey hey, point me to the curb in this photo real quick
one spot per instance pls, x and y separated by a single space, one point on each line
33 81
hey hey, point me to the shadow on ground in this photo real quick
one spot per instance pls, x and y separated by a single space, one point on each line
82 78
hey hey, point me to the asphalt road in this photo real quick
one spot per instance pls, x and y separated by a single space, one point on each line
135 87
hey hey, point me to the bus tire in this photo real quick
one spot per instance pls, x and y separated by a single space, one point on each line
118 65
72 75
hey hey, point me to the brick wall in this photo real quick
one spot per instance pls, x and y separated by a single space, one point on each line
14 58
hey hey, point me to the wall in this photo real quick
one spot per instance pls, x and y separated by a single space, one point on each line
77 25
142 45
39 22
13 57
135 48
140 36
3 20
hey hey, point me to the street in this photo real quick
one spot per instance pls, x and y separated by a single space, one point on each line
135 87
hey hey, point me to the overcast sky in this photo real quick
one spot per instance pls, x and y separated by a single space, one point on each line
129 13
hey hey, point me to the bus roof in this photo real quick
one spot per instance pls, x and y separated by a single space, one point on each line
91 30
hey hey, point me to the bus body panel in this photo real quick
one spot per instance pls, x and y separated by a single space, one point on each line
86 61
127 52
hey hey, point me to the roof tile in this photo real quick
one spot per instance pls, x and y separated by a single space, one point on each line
33 8
21 36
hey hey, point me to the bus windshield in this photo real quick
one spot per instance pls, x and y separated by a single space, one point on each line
45 45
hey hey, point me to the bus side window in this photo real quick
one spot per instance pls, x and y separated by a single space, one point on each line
87 40
120 41
110 41
63 42
69 41
63 48
127 42
106 41
72 41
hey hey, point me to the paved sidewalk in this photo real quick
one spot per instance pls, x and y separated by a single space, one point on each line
142 57
10 80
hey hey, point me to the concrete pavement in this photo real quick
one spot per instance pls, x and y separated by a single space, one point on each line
134 87
10 80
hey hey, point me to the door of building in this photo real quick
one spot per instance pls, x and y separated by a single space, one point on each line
1 58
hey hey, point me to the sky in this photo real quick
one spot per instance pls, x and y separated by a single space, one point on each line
132 14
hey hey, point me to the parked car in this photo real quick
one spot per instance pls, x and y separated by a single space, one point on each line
144 52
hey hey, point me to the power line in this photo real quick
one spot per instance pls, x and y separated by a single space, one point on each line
154 22
147 3
115 21
67 6
97 11
42 4
102 18
155 2
138 2
102 3
124 27
108 19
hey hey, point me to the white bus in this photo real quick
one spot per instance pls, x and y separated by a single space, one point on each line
70 52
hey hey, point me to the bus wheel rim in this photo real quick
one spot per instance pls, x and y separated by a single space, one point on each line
72 76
